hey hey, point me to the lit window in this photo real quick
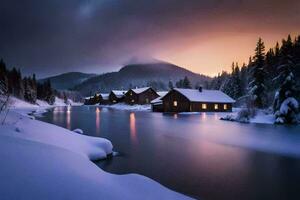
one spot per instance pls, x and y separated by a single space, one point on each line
204 106
175 103
216 106
225 106
130 93
132 100
114 101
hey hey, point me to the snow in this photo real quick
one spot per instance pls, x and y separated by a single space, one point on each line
205 96
287 104
123 106
43 161
78 130
260 117
104 96
140 90
119 93
158 100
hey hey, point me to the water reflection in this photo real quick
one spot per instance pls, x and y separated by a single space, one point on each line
69 117
132 124
97 121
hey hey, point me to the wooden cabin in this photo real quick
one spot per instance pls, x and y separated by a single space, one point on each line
116 96
156 104
192 100
104 99
92 100
140 96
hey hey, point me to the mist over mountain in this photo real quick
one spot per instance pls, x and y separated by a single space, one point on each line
155 74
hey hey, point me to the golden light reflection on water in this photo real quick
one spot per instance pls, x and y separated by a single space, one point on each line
203 116
132 124
69 117
97 121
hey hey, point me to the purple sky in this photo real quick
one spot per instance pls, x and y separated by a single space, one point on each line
55 36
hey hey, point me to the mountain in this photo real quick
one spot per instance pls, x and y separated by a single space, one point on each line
67 80
156 75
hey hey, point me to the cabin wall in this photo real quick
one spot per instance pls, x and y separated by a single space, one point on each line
210 107
157 107
114 99
183 104
143 98
131 98
147 96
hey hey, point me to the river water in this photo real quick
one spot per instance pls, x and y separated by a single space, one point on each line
198 155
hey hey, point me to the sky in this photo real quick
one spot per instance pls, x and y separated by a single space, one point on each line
205 36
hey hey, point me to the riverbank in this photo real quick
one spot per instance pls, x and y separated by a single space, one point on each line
44 161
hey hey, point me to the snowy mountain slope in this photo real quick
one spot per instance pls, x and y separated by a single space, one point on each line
140 75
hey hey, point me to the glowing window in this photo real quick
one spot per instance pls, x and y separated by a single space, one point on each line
114 101
225 107
130 93
175 103
132 100
216 106
204 106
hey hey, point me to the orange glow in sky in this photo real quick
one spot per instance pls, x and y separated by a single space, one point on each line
213 54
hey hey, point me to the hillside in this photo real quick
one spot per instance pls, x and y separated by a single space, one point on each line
137 75
67 80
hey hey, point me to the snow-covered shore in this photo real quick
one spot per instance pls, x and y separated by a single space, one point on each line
44 161
260 117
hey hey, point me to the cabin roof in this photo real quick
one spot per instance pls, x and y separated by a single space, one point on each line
104 96
140 90
119 93
158 100
214 96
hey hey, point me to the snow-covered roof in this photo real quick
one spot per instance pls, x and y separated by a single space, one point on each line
119 93
158 100
214 96
104 96
87 98
162 93
140 90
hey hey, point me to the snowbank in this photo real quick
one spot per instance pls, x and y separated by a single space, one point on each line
261 116
123 106
44 161
29 129
35 170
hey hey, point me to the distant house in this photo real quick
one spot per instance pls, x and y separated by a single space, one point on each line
192 100
116 96
156 104
140 95
92 100
104 98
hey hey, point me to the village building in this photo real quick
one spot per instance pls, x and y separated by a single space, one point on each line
140 96
192 100
116 96
104 99
156 104
92 100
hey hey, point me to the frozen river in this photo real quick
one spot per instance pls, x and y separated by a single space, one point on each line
198 155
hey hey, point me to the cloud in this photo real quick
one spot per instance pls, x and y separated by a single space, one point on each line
54 36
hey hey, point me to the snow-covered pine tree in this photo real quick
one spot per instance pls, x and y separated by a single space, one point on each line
285 106
257 90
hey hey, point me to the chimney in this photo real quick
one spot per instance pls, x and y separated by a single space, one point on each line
200 88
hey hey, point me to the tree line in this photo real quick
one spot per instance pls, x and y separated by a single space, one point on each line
26 88
270 79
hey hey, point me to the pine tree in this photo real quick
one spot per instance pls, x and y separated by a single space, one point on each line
257 85
186 83
170 85
286 107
